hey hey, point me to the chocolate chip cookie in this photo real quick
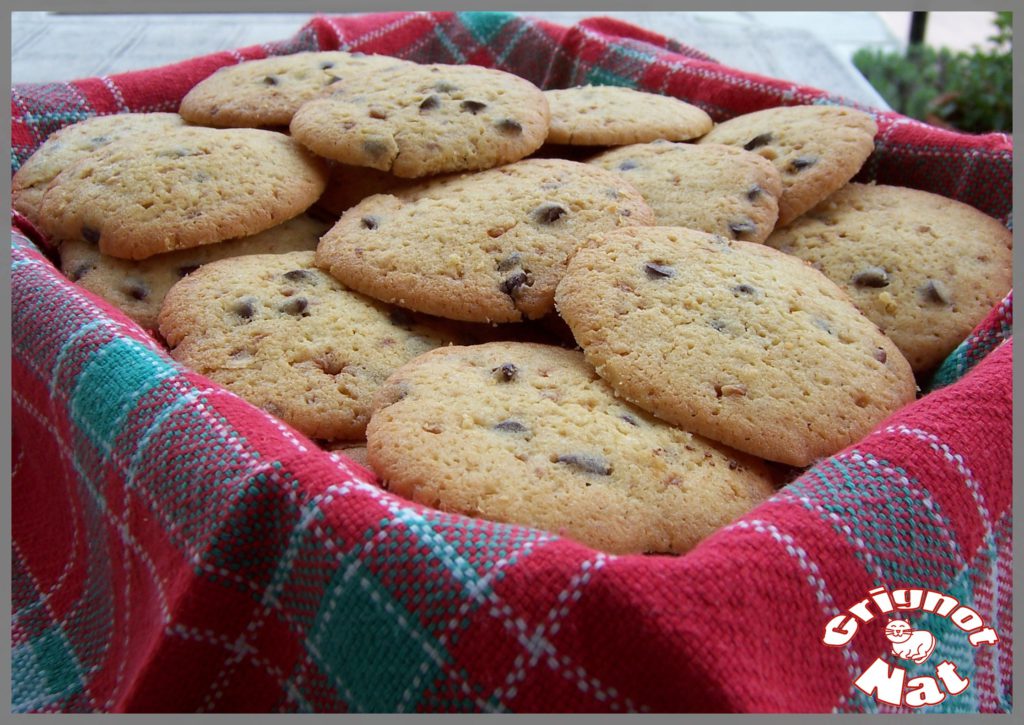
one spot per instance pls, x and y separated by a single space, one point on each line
420 120
183 188
138 287
817 149
292 340
924 268
711 187
71 144
732 340
488 246
615 116
529 434
267 92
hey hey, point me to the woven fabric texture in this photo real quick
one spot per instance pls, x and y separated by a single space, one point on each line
176 549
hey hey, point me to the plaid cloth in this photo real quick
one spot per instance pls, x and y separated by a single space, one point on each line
176 549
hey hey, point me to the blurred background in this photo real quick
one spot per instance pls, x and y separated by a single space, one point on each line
949 68
954 69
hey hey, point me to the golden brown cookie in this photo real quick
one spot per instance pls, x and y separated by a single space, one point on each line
924 268
487 247
72 143
292 340
733 340
138 287
714 188
189 186
817 149
529 434
420 120
267 92
616 116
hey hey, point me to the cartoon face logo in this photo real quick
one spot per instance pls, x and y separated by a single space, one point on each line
909 643
898 631
890 682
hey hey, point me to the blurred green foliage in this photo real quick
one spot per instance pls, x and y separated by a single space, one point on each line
970 91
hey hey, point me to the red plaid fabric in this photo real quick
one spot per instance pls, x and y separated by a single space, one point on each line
176 549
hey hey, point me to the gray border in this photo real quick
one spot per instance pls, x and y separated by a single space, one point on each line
1018 479
597 6
6 446
5 376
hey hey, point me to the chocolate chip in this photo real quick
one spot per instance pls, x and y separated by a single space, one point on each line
753 192
824 325
270 80
473 107
733 465
299 275
510 262
510 126
630 419
655 270
90 235
506 372
880 355
626 212
400 318
871 277
245 307
374 147
511 426
745 289
802 162
445 87
430 103
177 153
627 165
512 284
369 222
743 227
295 306
136 290
758 141
379 114
334 79
187 269
81 270
586 463
549 213
937 292
326 64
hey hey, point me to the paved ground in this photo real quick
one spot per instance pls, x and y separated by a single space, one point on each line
813 48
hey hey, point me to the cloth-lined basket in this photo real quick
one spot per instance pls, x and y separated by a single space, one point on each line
176 549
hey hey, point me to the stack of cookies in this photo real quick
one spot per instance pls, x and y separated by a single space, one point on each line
589 310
